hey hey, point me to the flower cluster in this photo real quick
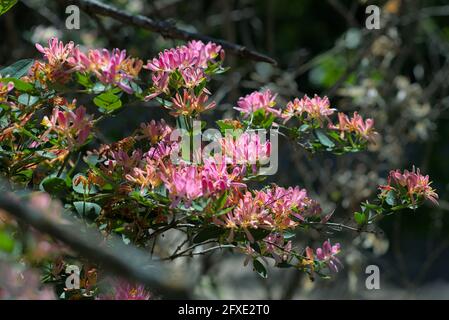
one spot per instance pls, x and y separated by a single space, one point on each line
72 126
410 184
126 291
189 182
155 131
190 104
356 124
258 100
315 108
184 65
110 67
274 209
58 63
247 148
327 255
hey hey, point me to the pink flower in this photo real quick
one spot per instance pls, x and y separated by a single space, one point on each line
290 202
327 254
110 67
190 104
248 213
190 61
183 184
155 131
216 178
126 291
56 53
145 178
195 54
121 159
356 124
257 100
416 184
73 126
162 150
59 64
271 209
248 148
314 108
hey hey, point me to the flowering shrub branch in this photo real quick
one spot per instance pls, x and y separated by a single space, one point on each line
136 189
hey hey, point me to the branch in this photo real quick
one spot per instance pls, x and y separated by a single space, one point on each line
166 29
123 260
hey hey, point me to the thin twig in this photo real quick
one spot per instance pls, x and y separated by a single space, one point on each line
164 28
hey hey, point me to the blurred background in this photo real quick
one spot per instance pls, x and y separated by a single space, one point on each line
398 75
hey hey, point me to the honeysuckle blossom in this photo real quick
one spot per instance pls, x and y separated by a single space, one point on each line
271 209
145 178
285 203
73 126
184 183
247 148
59 62
155 131
124 161
215 176
164 149
257 100
110 67
327 254
123 290
189 104
415 184
357 125
57 53
249 213
315 108
190 61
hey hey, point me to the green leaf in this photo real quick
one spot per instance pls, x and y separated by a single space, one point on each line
86 209
223 211
84 80
18 84
6 242
323 138
210 232
260 268
27 99
289 235
221 201
360 218
108 102
54 185
5 5
17 69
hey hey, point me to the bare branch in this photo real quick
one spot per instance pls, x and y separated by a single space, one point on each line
123 260
166 29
